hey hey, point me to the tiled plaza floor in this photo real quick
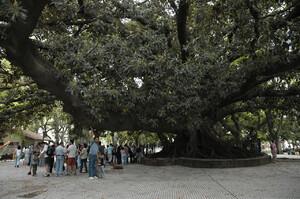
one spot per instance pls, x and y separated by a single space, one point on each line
281 180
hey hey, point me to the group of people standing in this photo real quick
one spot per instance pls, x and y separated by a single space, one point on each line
111 154
32 154
76 157
121 154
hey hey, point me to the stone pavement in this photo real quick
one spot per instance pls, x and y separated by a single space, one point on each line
281 180
286 156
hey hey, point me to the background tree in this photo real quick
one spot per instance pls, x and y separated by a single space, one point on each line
20 99
291 130
244 127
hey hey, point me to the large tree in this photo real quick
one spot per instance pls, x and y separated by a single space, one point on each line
176 66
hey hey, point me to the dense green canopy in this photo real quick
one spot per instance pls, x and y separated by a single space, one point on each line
176 66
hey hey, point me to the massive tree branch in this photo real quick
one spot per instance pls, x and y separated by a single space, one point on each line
248 108
292 15
75 23
255 14
22 52
256 77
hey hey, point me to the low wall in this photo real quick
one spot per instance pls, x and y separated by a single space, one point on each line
208 163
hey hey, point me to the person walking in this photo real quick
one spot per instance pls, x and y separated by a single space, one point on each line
93 156
71 163
83 158
18 153
274 151
60 152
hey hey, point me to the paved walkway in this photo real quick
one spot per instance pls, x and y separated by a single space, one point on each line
286 156
281 180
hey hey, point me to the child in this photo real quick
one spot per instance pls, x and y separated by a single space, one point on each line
35 160
102 173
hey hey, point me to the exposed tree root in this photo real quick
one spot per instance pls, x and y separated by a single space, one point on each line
204 146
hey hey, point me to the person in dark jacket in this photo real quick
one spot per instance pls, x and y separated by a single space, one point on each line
119 161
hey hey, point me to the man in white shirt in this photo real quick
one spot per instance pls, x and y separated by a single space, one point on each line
71 158
60 157
46 158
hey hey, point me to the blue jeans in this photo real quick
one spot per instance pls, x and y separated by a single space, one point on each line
124 159
76 161
17 160
59 164
83 161
92 165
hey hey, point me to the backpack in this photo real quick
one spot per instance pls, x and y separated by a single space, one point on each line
89 147
101 149
50 151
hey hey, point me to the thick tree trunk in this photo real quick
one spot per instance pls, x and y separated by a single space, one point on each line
37 126
113 138
201 144
56 128
278 145
274 132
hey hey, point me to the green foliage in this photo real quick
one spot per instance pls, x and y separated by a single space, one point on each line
11 10
125 57
20 99
290 129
